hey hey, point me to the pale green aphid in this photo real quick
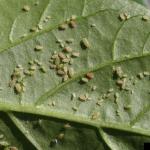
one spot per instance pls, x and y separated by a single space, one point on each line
43 69
84 80
73 95
146 18
74 108
85 43
70 72
18 88
75 54
62 26
34 29
26 8
38 48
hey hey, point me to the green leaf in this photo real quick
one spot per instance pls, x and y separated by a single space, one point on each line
110 111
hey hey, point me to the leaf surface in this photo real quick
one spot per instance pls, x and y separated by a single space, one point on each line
113 44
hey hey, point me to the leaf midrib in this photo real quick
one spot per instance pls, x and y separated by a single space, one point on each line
7 107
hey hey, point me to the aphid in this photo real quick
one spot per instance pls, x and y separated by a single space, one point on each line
67 125
53 103
82 98
59 41
40 27
72 24
95 115
38 48
61 55
68 49
65 69
45 20
70 72
117 112
94 87
1 88
69 41
93 25
65 78
66 60
19 66
75 108
60 67
39 63
43 69
99 103
110 90
57 61
84 80
26 72
60 136
75 54
62 45
140 76
31 72
127 107
145 18
34 29
36 3
62 27
132 91
32 68
54 56
116 95
90 75
145 73
18 88
73 17
23 36
85 43
117 72
26 8
53 142
73 95
71 61
52 66
124 16
31 62
60 72
121 83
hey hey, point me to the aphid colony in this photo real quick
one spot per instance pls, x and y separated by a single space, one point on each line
59 61
62 61
19 74
122 82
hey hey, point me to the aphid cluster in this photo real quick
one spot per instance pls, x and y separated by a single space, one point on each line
87 77
124 16
61 62
19 74
120 77
17 80
68 23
